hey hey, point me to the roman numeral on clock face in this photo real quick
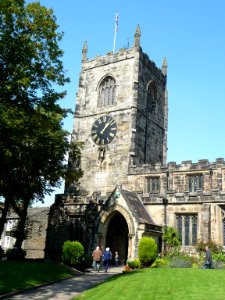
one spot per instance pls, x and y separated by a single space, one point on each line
104 130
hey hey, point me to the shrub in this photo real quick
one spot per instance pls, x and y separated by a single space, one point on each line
219 257
72 253
160 263
212 246
15 254
134 264
171 237
147 251
218 260
180 262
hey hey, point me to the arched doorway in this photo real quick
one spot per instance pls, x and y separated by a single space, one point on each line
117 236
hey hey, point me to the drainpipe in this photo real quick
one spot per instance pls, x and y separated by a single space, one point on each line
209 225
165 202
167 179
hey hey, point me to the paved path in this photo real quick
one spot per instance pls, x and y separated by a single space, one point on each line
66 289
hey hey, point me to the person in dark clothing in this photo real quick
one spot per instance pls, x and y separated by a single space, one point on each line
208 258
106 259
117 258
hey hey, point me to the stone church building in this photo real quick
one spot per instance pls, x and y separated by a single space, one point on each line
128 189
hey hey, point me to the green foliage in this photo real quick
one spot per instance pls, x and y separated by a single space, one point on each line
134 264
181 261
147 251
171 237
218 260
33 143
215 248
219 257
177 259
15 254
72 253
30 53
160 263
172 252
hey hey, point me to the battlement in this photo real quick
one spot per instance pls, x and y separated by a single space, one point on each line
122 54
110 57
187 165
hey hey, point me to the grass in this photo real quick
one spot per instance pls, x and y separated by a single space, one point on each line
17 276
161 284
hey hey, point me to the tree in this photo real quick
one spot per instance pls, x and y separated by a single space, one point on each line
33 144
171 238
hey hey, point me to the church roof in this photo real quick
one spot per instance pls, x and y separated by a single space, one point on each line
136 206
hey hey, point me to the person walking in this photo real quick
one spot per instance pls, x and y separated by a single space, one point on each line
208 258
96 255
106 259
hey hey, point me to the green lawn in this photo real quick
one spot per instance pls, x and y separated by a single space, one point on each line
160 284
15 276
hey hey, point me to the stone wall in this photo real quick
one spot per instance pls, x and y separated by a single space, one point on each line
206 203
38 224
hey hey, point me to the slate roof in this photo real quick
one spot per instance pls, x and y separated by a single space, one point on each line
137 208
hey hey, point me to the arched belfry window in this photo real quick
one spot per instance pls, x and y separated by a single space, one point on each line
151 97
107 91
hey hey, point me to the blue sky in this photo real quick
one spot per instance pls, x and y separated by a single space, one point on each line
190 34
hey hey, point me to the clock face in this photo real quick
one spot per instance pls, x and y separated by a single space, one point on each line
104 130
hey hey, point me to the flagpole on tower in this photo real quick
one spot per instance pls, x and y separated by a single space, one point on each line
116 29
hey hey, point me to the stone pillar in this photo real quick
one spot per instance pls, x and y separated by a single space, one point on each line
130 246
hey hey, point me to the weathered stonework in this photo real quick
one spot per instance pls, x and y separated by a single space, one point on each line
34 245
128 189
136 129
35 242
135 157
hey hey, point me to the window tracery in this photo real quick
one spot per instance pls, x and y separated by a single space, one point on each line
107 91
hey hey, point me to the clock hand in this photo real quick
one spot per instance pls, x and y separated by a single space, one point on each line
106 125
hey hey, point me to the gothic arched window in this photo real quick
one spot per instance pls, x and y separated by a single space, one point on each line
151 98
107 91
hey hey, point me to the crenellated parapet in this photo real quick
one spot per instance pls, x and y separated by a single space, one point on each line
187 165
185 181
110 57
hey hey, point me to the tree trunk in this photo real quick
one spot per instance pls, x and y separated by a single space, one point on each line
8 201
20 234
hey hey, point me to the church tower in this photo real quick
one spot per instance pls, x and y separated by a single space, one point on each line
127 190
121 116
